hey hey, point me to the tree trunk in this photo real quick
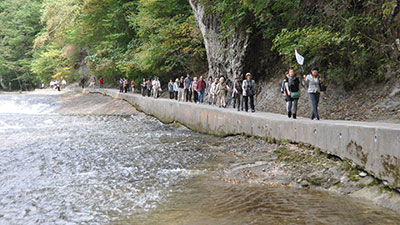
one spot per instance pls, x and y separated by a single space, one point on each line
226 55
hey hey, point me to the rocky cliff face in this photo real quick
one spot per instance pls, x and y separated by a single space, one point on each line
226 55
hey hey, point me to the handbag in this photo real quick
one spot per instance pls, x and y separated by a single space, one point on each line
295 95
322 87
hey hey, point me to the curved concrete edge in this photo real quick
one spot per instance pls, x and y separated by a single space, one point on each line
375 147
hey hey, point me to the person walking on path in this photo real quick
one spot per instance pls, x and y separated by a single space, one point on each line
181 90
63 83
222 89
149 87
83 82
213 91
176 88
101 81
133 85
171 89
126 85
194 90
237 92
201 88
248 87
121 84
292 90
208 90
188 88
143 85
312 82
283 89
156 87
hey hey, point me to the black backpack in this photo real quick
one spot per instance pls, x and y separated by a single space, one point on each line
283 86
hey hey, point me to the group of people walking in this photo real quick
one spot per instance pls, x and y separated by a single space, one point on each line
291 91
124 85
151 88
214 91
55 84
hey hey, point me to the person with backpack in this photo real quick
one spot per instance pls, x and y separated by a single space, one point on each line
283 92
237 92
292 91
248 87
312 82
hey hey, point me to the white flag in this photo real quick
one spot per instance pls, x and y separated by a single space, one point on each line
299 58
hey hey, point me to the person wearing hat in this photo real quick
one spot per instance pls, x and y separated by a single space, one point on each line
312 82
248 87
237 92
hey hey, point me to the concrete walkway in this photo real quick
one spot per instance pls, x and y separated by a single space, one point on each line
373 146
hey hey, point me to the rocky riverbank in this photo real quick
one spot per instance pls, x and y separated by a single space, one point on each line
280 163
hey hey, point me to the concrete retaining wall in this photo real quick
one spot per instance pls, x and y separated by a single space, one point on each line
373 146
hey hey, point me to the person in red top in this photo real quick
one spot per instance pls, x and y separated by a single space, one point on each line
201 88
101 82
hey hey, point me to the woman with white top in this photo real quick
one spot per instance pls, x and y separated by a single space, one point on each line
312 81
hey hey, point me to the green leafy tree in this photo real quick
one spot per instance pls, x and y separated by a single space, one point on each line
18 27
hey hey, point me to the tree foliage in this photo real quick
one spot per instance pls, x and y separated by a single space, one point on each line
118 38
18 27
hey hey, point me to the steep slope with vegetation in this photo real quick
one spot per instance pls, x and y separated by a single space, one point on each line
349 40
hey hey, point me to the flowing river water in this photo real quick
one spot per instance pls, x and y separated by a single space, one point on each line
133 169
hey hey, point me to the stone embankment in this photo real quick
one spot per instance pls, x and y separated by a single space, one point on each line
374 147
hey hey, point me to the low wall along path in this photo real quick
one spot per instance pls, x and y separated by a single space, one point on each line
372 146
